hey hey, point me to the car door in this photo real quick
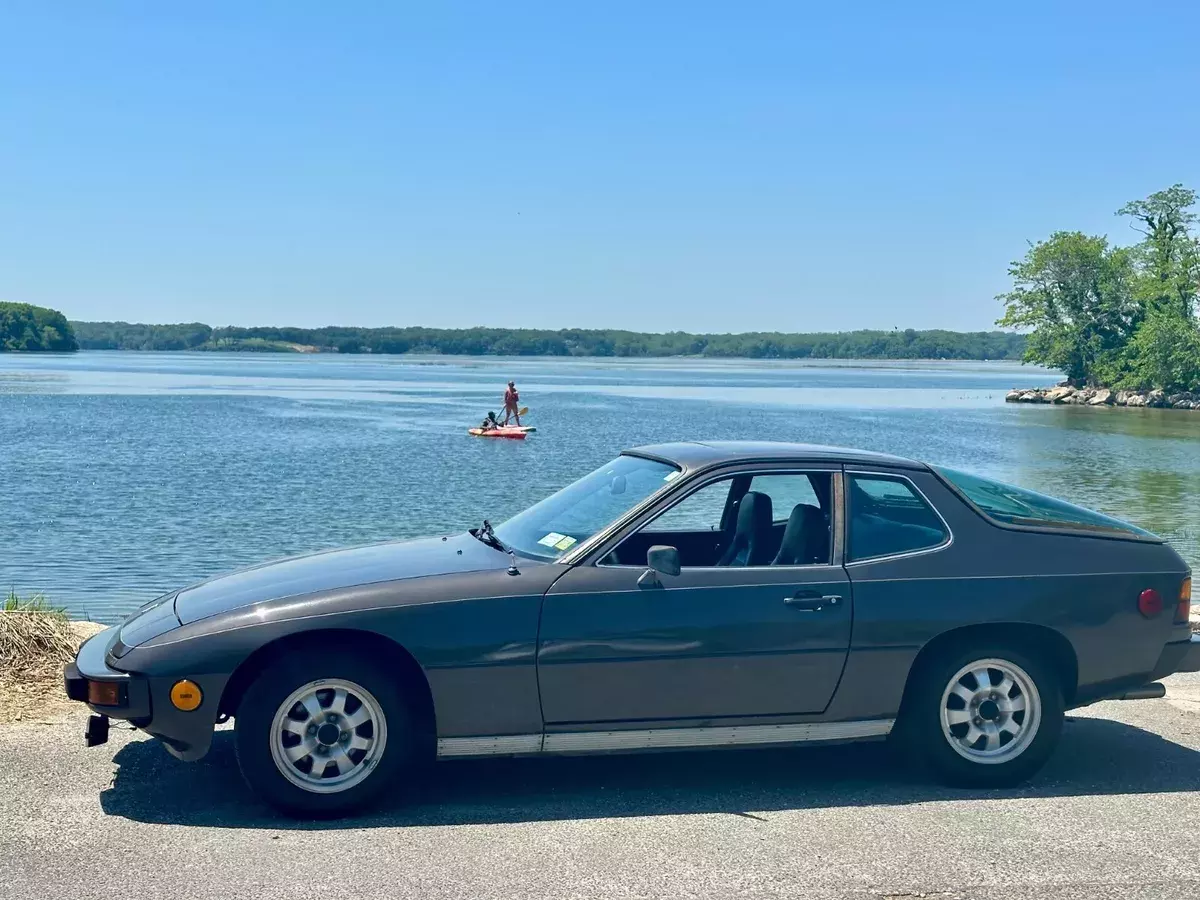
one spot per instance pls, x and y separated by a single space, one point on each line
714 642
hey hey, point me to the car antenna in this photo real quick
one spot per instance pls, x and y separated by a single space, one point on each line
512 564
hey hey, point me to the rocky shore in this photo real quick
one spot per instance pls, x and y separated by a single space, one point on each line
1066 394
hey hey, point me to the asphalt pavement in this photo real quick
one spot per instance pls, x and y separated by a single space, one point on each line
1114 815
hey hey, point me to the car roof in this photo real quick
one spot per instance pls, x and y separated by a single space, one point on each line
703 454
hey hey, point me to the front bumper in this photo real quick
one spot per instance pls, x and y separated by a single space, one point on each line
91 665
143 700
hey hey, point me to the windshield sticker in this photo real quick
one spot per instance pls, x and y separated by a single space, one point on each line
565 544
671 476
552 539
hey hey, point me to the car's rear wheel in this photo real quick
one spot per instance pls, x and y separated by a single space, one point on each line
983 716
322 734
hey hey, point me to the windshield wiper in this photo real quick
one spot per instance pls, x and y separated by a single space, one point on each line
485 534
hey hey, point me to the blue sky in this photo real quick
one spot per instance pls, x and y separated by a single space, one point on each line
652 166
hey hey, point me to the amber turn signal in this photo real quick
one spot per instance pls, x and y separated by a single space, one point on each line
185 695
104 693
1184 610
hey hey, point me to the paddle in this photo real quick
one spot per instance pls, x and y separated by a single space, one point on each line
523 411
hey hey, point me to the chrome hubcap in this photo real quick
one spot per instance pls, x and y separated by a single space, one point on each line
328 735
991 711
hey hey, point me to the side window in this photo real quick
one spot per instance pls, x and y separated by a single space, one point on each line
887 517
700 511
787 492
786 525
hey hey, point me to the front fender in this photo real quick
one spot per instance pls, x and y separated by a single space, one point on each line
474 635
186 735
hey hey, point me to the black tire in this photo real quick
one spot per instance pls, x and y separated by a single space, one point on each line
920 728
254 732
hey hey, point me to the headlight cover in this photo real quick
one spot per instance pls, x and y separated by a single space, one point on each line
155 618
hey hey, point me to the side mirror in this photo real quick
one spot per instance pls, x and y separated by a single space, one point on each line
660 560
664 560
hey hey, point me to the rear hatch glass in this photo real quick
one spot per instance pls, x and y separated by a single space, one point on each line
1011 505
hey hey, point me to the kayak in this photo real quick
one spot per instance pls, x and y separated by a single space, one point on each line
516 432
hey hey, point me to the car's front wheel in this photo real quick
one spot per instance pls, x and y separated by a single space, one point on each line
983 717
322 734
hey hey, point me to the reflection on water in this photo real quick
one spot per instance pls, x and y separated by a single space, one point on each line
123 475
1145 464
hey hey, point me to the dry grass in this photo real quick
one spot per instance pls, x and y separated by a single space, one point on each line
36 641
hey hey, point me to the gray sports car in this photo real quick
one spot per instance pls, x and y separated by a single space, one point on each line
682 596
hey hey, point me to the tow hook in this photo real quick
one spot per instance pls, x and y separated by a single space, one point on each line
96 732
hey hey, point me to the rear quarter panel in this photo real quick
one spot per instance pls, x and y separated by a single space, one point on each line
1083 588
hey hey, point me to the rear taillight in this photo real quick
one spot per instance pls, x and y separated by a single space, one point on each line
1184 610
1150 603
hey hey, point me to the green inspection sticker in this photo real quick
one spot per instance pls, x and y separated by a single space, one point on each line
566 543
552 539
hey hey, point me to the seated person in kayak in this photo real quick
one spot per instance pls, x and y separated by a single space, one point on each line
511 400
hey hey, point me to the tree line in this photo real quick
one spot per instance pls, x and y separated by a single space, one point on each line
896 344
24 327
1116 317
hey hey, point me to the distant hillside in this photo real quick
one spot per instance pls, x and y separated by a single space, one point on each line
908 344
27 328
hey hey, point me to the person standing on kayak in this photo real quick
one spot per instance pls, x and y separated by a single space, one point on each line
511 401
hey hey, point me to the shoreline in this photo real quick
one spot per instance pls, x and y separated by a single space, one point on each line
554 342
1065 395
848 361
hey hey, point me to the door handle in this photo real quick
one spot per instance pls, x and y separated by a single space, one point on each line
811 601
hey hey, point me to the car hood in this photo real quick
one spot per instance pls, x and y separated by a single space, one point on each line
335 569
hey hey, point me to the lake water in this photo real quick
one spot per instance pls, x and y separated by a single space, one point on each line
123 475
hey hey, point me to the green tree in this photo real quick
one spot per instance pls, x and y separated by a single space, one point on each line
34 328
1164 353
1168 257
124 336
1075 292
1165 349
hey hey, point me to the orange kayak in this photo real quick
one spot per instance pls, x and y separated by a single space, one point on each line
514 432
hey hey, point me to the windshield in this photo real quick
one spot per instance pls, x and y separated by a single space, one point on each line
1017 506
550 528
